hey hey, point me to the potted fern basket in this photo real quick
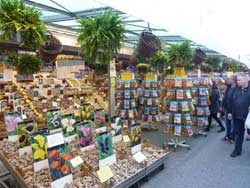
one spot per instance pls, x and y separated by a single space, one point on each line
100 37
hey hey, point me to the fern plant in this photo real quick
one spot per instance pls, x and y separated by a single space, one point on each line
100 37
16 17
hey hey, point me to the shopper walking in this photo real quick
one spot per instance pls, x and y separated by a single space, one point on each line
238 110
230 82
215 107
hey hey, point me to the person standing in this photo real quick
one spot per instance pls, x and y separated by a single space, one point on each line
230 82
214 107
238 110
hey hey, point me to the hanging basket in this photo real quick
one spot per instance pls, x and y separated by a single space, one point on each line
50 50
199 56
148 44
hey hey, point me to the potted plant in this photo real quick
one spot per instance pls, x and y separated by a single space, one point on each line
213 64
17 19
180 56
100 37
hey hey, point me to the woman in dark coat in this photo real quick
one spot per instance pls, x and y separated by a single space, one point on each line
214 107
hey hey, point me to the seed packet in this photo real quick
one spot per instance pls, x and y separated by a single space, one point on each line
123 113
127 85
186 119
150 119
146 85
157 118
184 106
189 130
177 83
133 94
200 111
177 130
132 103
156 102
177 118
127 94
126 104
154 93
149 101
147 111
200 121
119 94
188 94
203 101
146 93
119 85
170 129
132 122
179 94
153 111
131 114
202 91
173 106
154 85
125 123
142 100
207 111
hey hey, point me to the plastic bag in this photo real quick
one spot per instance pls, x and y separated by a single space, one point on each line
247 122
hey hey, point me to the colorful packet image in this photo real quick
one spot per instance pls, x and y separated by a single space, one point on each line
147 111
149 101
150 119
123 113
156 102
203 101
125 123
189 130
132 103
177 118
195 91
179 94
154 93
127 85
200 111
146 85
131 114
207 111
154 85
153 111
200 121
184 106
126 104
177 83
142 100
157 118
133 94
202 91
119 85
147 93
119 94
205 121
173 106
177 130
188 94
126 94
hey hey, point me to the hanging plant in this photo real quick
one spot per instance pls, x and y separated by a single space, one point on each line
25 63
159 61
214 63
16 17
180 55
100 37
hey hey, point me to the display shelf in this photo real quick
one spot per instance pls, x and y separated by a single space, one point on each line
200 93
179 110
149 101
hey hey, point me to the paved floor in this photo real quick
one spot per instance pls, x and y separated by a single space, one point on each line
207 165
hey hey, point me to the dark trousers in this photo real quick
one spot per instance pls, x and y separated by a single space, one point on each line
239 128
213 115
230 127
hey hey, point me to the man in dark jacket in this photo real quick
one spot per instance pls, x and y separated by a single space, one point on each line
231 84
215 107
238 110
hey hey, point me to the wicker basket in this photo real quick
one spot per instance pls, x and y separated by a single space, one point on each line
50 50
148 44
199 56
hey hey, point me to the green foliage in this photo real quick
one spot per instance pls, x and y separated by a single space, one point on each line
25 63
180 55
159 61
142 68
212 64
101 36
16 17
235 66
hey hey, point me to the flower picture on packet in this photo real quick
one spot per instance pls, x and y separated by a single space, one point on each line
11 121
59 161
24 130
39 145
104 145
99 118
84 133
135 135
53 119
68 125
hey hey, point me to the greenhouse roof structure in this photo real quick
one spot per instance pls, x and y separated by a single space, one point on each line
64 14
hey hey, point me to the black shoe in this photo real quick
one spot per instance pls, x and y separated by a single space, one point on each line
206 129
235 154
221 130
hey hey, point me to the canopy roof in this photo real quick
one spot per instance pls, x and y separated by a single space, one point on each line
64 14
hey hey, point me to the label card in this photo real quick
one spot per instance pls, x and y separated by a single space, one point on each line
55 139
126 138
76 161
136 149
105 174
139 157
61 183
